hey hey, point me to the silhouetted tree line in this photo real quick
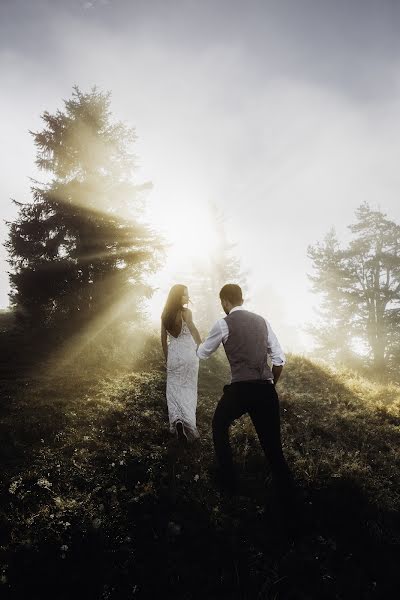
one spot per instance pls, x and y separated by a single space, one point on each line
81 246
80 251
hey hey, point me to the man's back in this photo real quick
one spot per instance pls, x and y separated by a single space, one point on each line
247 346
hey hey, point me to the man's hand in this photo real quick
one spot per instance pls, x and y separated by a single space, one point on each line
276 372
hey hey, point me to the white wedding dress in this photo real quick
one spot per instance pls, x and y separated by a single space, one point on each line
182 374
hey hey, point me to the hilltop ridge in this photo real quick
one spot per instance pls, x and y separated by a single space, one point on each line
96 495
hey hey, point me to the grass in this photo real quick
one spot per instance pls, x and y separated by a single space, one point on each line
98 502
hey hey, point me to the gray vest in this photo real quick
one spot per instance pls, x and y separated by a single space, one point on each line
247 346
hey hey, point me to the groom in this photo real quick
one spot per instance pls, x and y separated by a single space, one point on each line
248 341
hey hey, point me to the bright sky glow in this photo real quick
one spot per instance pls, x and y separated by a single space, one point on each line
285 114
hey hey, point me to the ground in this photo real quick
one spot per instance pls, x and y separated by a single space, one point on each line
98 501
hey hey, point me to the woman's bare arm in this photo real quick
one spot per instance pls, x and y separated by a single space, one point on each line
187 315
164 340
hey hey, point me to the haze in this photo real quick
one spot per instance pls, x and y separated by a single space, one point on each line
284 114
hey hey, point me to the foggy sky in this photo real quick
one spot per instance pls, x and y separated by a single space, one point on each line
285 113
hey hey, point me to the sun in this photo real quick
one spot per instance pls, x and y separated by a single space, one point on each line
360 346
192 241
189 231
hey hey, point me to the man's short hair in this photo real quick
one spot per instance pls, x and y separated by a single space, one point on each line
231 292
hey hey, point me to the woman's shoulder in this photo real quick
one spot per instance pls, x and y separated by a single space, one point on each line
186 313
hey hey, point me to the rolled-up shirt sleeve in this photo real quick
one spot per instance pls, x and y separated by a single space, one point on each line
212 341
274 348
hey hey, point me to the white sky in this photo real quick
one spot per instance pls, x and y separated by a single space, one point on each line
284 113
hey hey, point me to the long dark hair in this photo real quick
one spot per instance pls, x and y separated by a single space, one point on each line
173 305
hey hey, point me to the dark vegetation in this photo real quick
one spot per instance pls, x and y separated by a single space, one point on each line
97 501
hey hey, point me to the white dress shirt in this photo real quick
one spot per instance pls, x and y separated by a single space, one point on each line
220 333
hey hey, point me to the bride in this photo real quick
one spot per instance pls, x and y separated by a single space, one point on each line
179 339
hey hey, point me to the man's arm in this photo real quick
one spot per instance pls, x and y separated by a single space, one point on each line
276 353
212 341
276 372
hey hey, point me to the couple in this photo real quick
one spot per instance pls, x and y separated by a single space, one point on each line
248 341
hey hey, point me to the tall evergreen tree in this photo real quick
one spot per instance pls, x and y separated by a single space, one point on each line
360 286
81 244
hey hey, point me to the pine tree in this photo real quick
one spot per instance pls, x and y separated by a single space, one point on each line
80 244
360 285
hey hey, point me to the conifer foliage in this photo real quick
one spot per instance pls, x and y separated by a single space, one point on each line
360 285
81 244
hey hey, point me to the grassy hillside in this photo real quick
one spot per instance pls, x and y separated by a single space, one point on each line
97 500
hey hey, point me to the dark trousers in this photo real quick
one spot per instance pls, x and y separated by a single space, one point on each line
261 402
